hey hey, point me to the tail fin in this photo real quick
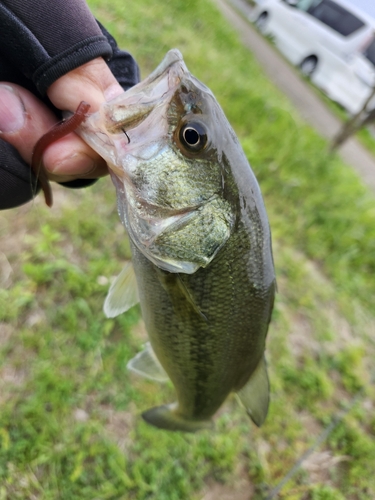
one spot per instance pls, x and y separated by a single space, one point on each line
165 417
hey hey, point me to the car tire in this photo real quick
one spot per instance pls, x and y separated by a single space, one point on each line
308 66
261 22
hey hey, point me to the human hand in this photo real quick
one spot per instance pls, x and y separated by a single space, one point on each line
24 119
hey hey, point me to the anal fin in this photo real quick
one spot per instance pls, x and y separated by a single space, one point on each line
254 395
146 364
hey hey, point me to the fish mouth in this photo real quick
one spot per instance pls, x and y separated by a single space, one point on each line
124 113
138 118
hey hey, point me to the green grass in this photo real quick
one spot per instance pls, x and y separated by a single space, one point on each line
70 425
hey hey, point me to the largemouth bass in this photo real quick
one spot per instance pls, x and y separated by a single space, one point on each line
200 241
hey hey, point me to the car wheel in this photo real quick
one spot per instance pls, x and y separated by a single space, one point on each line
261 22
308 66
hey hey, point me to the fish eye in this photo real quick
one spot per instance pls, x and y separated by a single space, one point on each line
193 136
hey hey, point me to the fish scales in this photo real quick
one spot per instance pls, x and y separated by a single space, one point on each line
206 360
200 241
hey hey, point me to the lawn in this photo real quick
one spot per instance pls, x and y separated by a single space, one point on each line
70 425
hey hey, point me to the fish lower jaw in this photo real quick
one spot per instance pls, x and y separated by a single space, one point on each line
167 417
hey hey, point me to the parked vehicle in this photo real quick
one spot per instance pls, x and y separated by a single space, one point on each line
331 41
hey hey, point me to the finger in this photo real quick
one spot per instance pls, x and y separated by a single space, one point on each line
24 119
70 158
92 82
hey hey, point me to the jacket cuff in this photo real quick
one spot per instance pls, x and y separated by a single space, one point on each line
75 56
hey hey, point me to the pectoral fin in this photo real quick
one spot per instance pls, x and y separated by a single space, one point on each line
123 293
146 363
255 394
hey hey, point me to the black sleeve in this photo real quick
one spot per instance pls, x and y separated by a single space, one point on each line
41 40
45 39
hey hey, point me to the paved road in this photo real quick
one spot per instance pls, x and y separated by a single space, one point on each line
310 106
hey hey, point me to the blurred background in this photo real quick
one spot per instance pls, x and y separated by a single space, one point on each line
70 425
331 42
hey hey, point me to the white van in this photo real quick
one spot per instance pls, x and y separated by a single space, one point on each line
327 40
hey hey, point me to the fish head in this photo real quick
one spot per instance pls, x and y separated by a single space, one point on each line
163 141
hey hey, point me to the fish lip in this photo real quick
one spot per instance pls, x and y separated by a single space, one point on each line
171 266
173 56
128 110
176 211
157 225
175 218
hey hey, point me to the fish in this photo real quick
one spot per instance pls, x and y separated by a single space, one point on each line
202 265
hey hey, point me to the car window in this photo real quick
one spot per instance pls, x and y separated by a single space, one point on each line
306 4
370 52
336 17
